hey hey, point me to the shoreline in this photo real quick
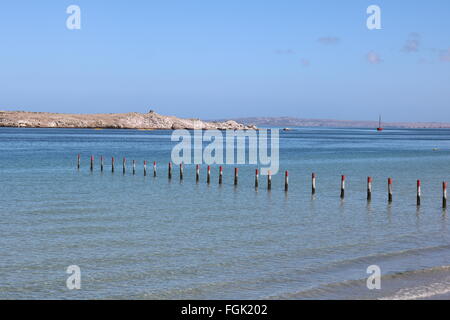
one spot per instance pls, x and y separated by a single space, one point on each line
292 128
107 128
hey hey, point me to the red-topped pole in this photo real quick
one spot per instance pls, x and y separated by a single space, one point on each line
390 190
419 192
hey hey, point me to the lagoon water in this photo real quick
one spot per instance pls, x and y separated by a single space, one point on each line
149 238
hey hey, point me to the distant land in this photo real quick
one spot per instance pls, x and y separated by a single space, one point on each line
301 122
131 120
155 121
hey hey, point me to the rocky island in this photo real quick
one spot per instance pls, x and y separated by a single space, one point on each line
131 120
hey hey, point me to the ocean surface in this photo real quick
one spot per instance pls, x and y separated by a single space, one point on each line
137 237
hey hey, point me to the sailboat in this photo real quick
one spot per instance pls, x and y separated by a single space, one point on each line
380 128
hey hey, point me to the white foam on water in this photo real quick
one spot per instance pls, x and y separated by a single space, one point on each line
421 292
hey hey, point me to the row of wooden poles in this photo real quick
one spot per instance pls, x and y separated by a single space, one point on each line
269 178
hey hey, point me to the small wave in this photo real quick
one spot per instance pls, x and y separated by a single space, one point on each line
417 272
421 292
356 288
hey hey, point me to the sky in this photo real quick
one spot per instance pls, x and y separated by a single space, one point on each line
228 59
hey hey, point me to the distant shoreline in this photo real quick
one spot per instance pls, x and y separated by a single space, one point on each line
220 129
287 122
155 121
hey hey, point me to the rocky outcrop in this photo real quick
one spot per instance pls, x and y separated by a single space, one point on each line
132 120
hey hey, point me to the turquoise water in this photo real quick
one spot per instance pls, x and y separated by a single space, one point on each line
149 238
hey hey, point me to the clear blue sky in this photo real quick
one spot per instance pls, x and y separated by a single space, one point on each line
228 58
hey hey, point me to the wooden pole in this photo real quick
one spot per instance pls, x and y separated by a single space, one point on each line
313 183
369 188
390 190
181 171
134 167
145 168
154 168
444 195
170 170
256 179
101 163
419 193
112 164
220 174
92 163
286 181
197 173
236 172
269 180
208 175
342 187
78 162
124 162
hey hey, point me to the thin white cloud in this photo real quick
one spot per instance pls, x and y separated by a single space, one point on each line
444 56
284 51
329 40
373 58
412 43
305 62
